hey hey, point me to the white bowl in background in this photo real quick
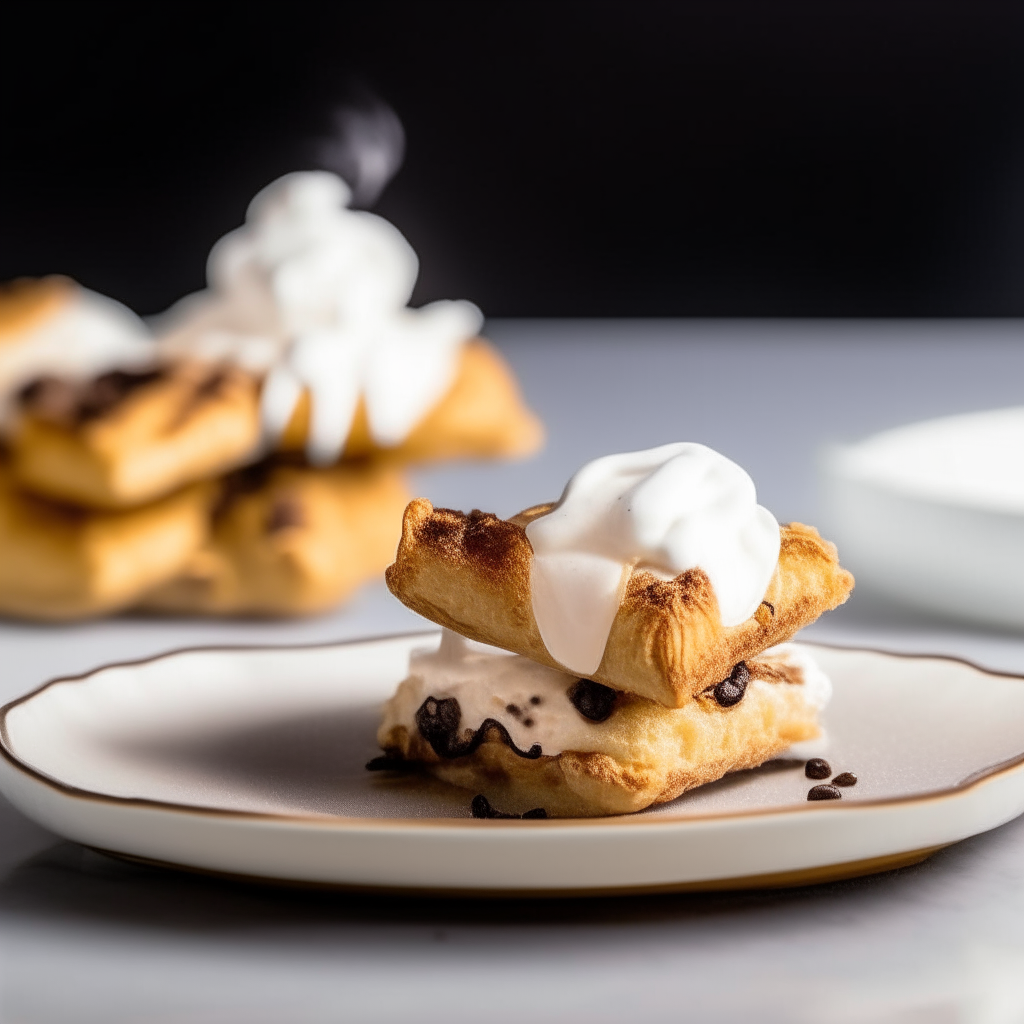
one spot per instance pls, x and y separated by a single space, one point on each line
932 514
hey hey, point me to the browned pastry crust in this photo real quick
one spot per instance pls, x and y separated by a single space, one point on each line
643 754
481 416
471 573
58 562
290 540
126 438
28 302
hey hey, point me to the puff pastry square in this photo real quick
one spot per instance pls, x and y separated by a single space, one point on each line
471 574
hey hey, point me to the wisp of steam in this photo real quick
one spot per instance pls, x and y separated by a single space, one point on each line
366 146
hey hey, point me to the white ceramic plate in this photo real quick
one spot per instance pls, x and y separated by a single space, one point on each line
932 514
251 762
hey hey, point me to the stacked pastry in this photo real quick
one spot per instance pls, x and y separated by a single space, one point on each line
249 458
614 649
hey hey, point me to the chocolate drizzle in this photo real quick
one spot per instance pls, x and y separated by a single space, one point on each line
438 722
481 808
594 701
730 691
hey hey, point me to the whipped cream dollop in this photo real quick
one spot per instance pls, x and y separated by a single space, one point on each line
533 701
315 296
668 509
81 335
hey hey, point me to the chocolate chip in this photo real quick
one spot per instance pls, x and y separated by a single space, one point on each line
535 701
730 691
481 808
845 779
286 512
817 768
438 722
594 701
528 722
514 710
824 793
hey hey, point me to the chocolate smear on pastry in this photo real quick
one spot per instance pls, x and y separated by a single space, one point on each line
594 701
729 691
481 808
817 768
286 512
68 402
824 793
109 390
438 722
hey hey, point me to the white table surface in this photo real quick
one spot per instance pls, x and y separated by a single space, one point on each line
87 939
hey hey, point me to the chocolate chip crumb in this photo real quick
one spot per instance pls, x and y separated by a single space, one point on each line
730 691
527 722
536 700
594 701
817 768
514 710
824 793
845 779
481 808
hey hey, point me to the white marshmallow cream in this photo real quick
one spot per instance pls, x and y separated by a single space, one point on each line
315 296
669 509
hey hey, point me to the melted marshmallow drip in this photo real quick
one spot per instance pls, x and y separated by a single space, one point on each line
314 295
88 335
669 509
486 681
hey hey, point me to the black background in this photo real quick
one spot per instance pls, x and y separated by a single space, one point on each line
690 159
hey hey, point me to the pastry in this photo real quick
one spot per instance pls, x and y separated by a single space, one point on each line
127 437
655 573
290 540
53 326
311 297
529 737
59 562
480 416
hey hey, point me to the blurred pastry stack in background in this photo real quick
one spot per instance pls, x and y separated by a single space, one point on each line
245 456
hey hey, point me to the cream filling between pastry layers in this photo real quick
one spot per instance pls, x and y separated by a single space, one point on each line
531 700
88 334
668 509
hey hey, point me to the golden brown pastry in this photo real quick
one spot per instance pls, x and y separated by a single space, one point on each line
58 562
528 737
127 437
471 573
290 540
481 416
27 302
